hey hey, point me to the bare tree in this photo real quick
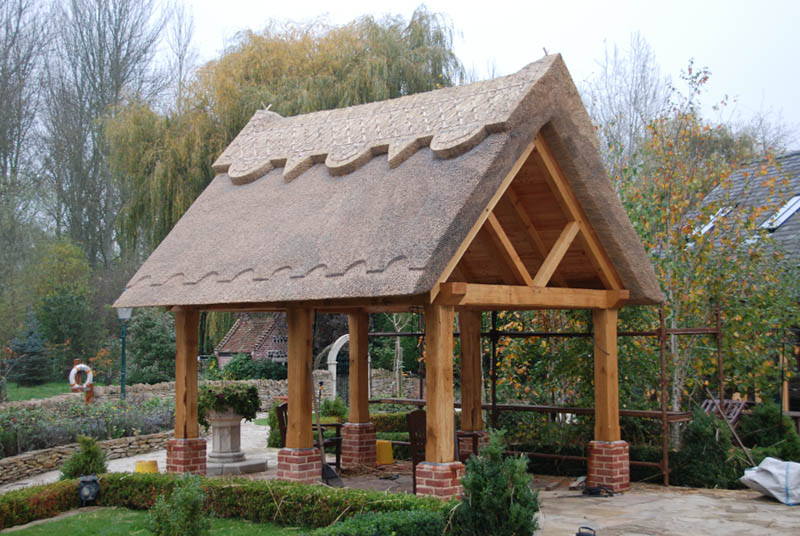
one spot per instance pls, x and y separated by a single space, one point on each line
22 40
622 97
103 55
183 54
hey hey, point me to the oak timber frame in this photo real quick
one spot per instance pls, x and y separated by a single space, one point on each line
522 281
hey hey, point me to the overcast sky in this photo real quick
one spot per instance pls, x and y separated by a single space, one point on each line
751 48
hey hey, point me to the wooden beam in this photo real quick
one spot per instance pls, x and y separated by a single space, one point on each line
470 333
358 323
500 297
186 323
606 381
560 187
556 254
484 215
440 428
530 229
507 252
300 321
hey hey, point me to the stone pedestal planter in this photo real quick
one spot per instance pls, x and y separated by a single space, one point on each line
226 457
226 437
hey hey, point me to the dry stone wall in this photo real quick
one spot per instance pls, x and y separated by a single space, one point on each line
36 462
383 384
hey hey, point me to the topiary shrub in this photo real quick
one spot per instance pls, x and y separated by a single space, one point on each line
770 432
402 523
89 459
707 458
497 496
182 514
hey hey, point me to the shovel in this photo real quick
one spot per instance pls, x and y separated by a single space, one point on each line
329 475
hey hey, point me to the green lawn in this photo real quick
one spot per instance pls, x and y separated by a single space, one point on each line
46 390
121 521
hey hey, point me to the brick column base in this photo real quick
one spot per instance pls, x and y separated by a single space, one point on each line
465 443
186 456
358 444
440 479
609 465
300 465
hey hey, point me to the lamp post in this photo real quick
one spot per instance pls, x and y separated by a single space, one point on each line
124 314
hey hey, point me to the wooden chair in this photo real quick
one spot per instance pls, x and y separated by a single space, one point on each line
336 442
416 421
732 408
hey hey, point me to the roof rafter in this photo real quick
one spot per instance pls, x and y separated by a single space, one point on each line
556 254
560 187
530 229
507 252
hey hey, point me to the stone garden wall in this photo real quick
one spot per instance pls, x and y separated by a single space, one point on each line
36 462
383 384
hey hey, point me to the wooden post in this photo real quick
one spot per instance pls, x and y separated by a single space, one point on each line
186 322
300 321
606 381
470 325
439 446
358 323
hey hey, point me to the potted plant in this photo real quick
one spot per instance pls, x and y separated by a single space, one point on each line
223 406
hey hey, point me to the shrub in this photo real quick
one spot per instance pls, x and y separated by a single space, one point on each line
402 523
243 367
242 399
89 459
707 458
274 437
497 495
39 502
334 408
390 422
181 514
775 435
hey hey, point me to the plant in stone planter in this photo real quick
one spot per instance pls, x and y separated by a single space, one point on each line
240 399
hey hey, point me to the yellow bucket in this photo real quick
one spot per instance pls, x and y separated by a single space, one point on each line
146 466
383 449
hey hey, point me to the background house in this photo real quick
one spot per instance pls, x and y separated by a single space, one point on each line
261 336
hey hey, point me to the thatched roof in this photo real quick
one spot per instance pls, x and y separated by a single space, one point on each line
374 200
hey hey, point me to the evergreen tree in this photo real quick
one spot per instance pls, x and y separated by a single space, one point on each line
31 365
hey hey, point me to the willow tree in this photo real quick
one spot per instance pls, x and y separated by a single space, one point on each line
163 162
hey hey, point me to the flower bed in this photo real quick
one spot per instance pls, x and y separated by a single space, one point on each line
24 429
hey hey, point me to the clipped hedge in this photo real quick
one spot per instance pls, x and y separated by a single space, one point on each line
284 503
390 422
400 452
39 502
401 523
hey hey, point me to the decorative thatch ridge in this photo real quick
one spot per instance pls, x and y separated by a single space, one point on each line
451 121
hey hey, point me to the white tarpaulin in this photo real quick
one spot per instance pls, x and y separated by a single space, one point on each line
775 478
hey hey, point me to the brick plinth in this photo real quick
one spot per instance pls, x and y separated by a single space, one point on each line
299 465
358 444
609 465
440 479
186 456
465 443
